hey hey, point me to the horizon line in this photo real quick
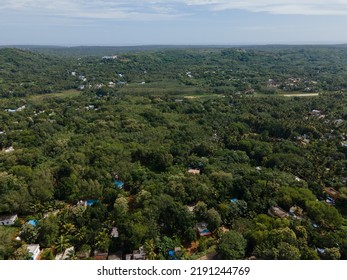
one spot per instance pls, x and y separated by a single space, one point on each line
176 45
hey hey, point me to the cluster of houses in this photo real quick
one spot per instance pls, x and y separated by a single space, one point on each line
109 57
8 149
293 83
9 220
295 212
21 108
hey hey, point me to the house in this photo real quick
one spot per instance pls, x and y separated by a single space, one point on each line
11 110
90 107
202 229
332 193
297 179
139 254
107 57
89 202
21 108
118 183
194 171
315 113
8 220
277 212
321 251
34 251
189 74
9 150
330 201
34 223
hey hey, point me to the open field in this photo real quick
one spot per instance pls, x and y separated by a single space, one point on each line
300 94
62 94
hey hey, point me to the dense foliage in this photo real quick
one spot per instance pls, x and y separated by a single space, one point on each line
252 151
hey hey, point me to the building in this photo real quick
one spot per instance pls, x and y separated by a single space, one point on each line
202 229
8 220
118 183
139 254
194 171
332 193
277 212
34 251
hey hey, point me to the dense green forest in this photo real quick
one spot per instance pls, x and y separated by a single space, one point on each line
154 145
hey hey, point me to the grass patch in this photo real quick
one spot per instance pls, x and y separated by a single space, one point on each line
61 94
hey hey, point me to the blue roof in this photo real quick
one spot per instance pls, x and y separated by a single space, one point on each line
118 183
34 223
91 202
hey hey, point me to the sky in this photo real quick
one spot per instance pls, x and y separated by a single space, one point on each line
172 22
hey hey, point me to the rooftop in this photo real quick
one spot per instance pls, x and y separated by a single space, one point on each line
276 211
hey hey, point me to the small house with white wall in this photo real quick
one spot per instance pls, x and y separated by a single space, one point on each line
34 251
8 220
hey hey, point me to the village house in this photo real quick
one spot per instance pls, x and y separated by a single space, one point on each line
9 150
202 229
332 193
194 171
8 220
34 251
277 212
316 113
139 254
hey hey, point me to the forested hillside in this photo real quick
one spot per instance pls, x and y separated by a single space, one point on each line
23 73
205 151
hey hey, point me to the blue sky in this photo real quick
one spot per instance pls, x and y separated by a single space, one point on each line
157 22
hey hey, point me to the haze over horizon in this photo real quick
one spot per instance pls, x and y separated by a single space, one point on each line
172 22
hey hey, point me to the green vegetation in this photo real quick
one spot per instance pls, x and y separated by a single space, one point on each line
187 146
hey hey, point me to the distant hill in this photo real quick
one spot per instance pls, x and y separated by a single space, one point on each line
82 51
25 72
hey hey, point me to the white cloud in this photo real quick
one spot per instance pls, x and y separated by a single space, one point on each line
289 7
92 9
160 9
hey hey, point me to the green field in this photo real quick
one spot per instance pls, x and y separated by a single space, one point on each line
62 94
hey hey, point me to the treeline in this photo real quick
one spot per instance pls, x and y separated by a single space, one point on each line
211 70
